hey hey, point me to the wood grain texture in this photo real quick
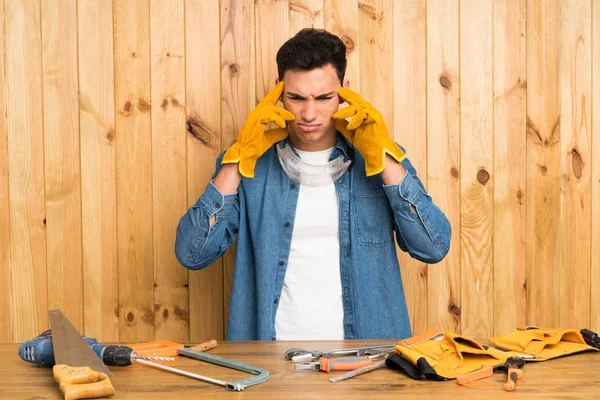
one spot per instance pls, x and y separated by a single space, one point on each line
203 111
575 79
24 121
99 208
595 234
543 168
456 67
237 91
341 19
6 323
562 378
410 122
305 14
477 177
133 124
375 21
169 179
443 156
271 30
61 152
510 165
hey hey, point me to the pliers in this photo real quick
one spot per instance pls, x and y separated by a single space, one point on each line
335 364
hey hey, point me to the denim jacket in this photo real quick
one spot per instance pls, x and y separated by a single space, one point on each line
262 213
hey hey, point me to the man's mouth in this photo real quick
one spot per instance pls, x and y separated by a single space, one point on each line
306 128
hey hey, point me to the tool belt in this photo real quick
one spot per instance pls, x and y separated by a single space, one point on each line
543 344
442 356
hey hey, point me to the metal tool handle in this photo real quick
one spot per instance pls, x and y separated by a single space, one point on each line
297 354
359 351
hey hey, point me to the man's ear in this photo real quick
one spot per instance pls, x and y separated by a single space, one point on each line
276 81
345 85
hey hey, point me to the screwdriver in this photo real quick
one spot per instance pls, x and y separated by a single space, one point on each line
359 371
335 364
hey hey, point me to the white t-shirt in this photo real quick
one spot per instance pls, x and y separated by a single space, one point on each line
310 307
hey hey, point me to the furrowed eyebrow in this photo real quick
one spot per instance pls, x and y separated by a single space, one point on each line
325 95
321 96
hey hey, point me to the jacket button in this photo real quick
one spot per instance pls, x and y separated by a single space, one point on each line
218 205
281 262
287 224
276 301
293 186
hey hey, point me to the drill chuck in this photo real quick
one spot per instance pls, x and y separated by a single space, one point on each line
118 356
122 356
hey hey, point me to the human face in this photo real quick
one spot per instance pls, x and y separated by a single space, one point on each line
312 97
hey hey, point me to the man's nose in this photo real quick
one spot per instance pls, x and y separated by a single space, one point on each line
310 110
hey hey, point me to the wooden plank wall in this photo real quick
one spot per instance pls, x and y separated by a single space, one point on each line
113 113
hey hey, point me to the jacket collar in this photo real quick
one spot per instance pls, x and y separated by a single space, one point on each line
342 147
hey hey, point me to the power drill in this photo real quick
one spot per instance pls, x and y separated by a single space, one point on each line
40 351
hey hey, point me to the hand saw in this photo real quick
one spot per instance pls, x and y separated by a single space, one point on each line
78 369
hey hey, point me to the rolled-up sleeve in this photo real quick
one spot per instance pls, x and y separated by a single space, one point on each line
198 244
421 227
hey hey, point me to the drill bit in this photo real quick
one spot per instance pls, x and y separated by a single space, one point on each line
122 356
152 358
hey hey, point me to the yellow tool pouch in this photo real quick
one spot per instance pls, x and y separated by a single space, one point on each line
543 344
443 357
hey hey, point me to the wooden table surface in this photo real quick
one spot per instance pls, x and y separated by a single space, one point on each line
571 377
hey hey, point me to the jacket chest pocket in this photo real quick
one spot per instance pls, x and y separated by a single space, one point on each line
373 219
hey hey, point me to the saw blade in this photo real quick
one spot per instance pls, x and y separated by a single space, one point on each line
69 346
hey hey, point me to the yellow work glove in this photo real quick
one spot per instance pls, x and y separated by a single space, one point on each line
253 141
366 131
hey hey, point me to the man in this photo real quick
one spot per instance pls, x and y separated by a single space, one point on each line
315 204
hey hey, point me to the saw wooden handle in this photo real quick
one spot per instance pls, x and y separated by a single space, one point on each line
211 344
82 382
89 390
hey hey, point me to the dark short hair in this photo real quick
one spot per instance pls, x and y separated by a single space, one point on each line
311 49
